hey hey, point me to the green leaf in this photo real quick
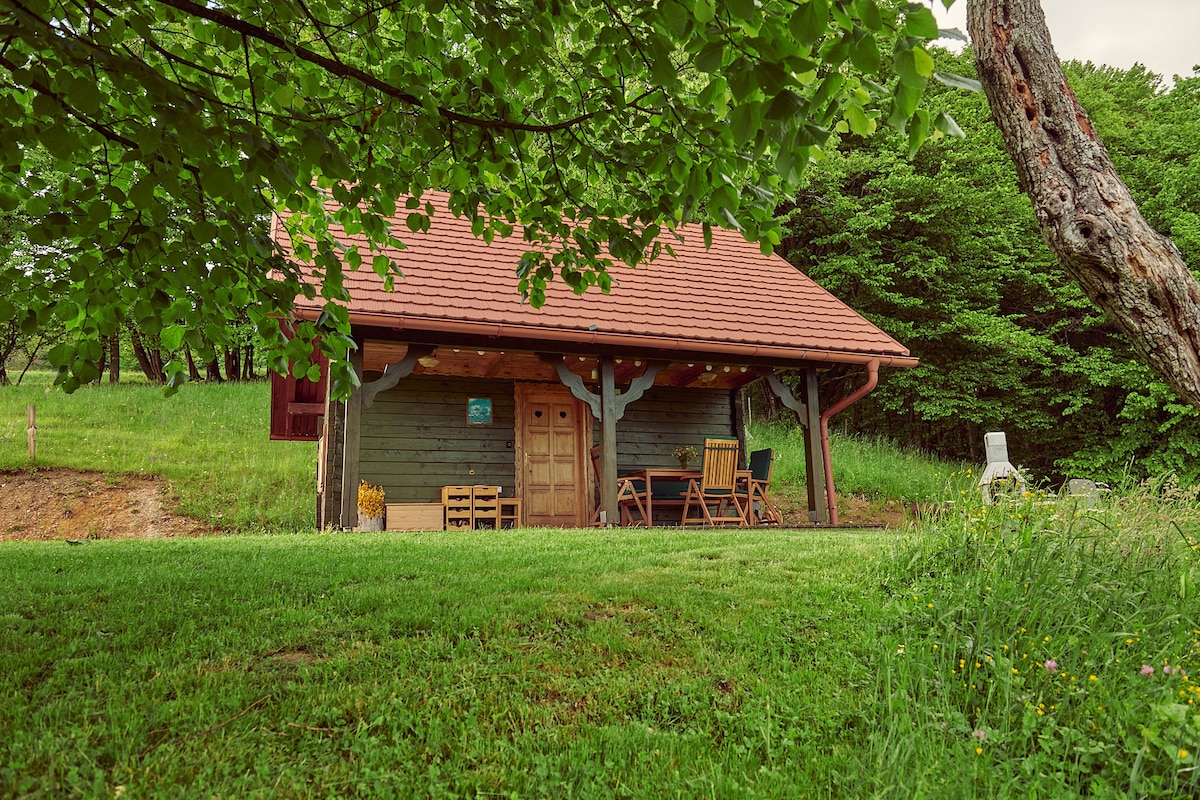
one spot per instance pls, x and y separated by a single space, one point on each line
809 21
704 10
918 132
946 124
919 21
958 81
785 105
864 54
711 56
858 121
868 12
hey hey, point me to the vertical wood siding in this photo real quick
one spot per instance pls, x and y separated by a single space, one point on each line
415 439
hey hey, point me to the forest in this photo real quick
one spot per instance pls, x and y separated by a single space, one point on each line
942 251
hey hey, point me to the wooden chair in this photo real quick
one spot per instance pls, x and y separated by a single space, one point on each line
629 497
758 489
717 487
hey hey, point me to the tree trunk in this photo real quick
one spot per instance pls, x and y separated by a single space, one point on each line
248 363
193 371
1086 214
148 358
114 358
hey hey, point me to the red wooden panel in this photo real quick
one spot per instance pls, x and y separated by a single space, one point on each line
297 404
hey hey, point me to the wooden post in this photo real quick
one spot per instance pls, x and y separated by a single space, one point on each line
31 430
608 441
350 432
814 459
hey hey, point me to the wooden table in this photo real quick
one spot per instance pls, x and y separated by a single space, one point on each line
675 474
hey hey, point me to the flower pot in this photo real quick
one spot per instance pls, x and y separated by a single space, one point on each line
370 523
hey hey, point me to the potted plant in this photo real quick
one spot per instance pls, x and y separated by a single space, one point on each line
684 454
370 507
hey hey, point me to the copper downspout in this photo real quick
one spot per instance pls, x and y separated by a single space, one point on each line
860 393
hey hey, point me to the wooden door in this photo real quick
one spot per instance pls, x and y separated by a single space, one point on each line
550 451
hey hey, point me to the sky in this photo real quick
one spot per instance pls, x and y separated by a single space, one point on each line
1163 35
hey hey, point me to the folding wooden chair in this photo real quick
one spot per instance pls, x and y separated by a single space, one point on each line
629 497
717 487
758 489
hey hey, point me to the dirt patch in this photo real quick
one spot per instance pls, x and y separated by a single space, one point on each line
62 504
852 510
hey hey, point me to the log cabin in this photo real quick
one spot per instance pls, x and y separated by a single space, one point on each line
465 384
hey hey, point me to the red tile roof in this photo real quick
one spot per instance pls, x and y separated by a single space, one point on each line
727 300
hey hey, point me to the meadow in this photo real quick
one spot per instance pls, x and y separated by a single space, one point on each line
1041 647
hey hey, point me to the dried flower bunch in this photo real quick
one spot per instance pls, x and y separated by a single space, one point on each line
685 453
370 500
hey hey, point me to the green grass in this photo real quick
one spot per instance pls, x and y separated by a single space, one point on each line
209 442
868 466
518 664
995 652
1040 649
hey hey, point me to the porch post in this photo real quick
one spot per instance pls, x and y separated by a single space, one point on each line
352 426
814 460
608 440
808 413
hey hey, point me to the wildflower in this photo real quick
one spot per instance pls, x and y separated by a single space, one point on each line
1183 753
1092 678
1147 670
1051 665
979 751
980 734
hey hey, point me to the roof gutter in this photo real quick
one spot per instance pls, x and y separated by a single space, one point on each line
858 394
586 338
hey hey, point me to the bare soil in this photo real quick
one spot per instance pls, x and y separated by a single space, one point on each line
62 504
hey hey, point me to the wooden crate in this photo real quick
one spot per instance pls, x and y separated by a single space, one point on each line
415 516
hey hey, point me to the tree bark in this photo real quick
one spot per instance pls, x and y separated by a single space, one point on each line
114 357
1086 213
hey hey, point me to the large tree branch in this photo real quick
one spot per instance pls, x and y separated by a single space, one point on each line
1086 213
342 70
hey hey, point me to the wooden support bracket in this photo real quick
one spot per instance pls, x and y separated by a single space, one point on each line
393 373
787 398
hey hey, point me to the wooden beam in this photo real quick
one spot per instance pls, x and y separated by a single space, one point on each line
493 365
814 460
688 375
627 371
392 373
608 440
744 379
352 429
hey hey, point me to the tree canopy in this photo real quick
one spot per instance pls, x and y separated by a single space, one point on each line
178 130
943 252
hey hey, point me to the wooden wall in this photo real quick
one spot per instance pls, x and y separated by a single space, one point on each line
415 438
665 418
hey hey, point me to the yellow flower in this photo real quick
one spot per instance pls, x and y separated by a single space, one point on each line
1092 678
1183 753
979 752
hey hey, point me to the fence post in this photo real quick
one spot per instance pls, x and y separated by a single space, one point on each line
31 430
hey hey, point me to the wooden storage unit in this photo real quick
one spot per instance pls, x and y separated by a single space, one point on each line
456 500
415 516
485 507
510 513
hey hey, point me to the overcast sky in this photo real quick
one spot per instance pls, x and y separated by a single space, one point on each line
1164 35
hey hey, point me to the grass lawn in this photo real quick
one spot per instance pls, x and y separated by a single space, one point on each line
209 442
517 664
1036 648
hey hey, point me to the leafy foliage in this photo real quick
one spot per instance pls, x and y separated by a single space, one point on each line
180 128
943 252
